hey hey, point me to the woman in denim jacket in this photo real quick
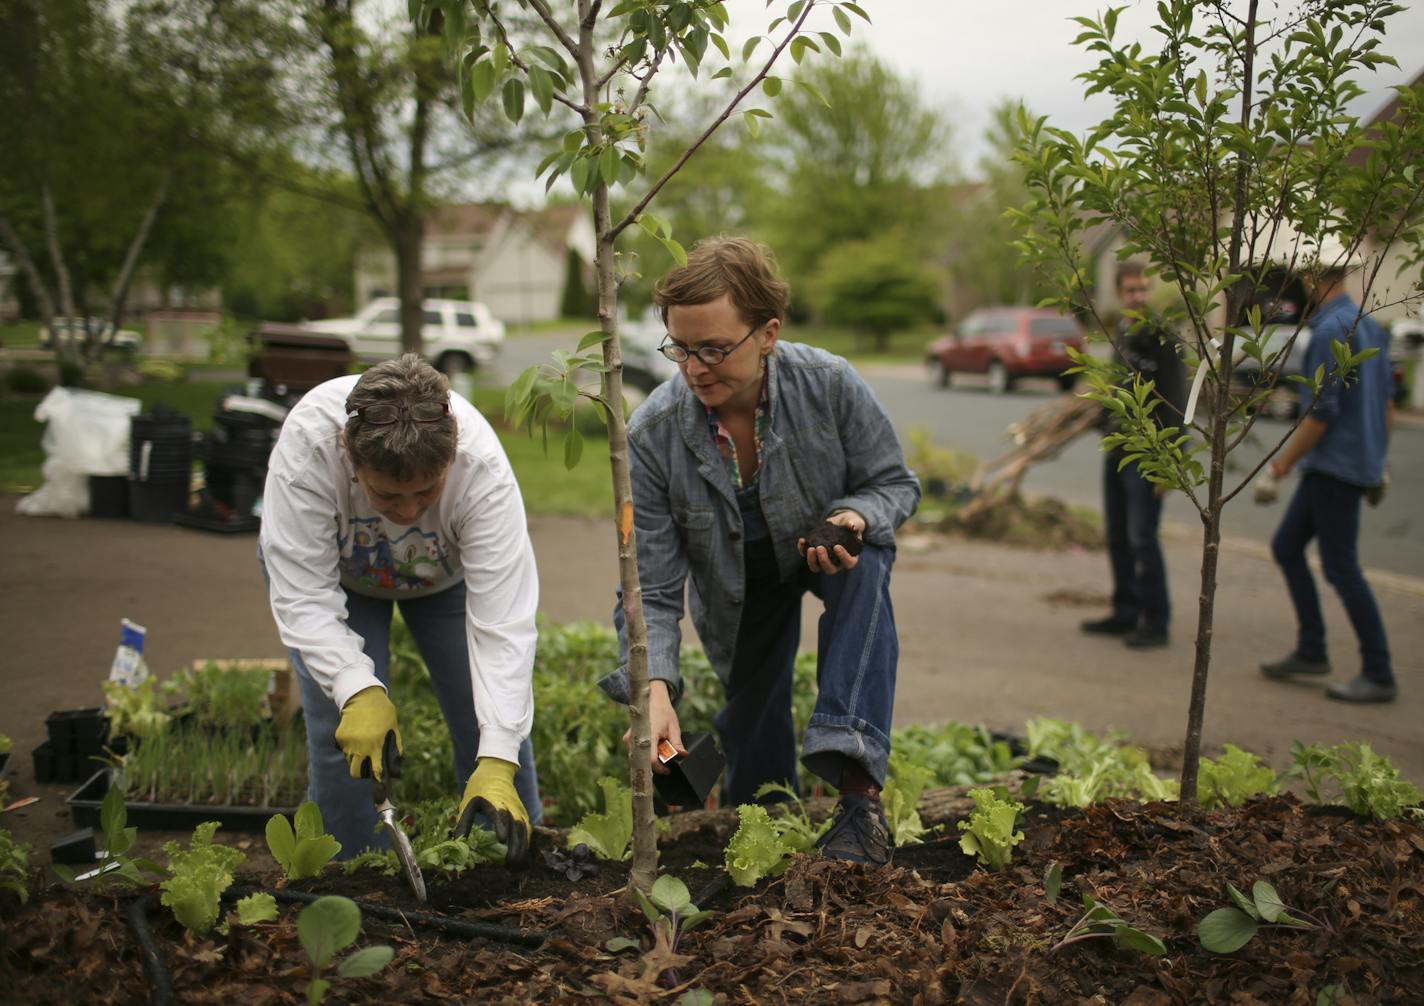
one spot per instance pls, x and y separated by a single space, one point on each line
732 467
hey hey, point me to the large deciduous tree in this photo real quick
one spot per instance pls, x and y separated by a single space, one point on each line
1231 159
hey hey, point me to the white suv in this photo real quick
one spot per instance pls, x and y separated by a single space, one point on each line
458 335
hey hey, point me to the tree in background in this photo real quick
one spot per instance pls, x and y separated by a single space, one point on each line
107 150
876 287
600 63
854 155
984 264
1230 152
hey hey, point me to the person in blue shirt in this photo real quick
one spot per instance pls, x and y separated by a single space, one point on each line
1339 450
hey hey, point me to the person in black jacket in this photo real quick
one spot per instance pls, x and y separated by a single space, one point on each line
1132 506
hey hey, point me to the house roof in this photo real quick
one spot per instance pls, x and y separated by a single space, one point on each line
1388 113
473 220
551 225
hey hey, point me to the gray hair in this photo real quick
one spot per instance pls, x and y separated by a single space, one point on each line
404 449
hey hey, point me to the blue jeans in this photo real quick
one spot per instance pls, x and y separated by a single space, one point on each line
857 654
437 622
1328 510
1132 515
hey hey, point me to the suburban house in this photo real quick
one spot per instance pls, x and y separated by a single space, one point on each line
515 262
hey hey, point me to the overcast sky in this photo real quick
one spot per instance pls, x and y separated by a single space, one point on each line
967 55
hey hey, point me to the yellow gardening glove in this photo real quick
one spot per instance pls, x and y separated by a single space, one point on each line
491 792
367 719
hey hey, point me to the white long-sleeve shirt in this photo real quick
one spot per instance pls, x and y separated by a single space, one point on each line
320 534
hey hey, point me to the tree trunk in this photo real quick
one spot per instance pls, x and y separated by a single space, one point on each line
1206 604
63 343
121 285
32 274
1236 297
644 869
409 237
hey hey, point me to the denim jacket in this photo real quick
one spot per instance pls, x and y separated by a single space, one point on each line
829 446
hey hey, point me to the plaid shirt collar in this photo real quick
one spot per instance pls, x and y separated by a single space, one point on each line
727 447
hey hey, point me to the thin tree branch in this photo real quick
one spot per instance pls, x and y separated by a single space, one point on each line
633 214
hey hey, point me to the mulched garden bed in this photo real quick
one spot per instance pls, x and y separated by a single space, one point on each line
932 928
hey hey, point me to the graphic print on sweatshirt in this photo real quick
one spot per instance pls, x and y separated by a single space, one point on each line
369 558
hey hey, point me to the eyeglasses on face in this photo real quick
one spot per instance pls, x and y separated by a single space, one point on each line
385 413
709 355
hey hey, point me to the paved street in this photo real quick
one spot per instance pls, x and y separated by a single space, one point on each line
965 416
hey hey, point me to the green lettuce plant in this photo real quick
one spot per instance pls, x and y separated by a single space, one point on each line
763 844
255 908
901 799
14 866
609 834
440 854
989 832
1233 778
135 712
326 927
1368 783
198 876
956 754
304 851
1227 930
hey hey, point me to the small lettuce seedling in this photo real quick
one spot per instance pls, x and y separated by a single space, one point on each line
256 908
326 927
610 834
198 876
901 799
670 913
304 851
1227 930
989 832
1233 778
1098 921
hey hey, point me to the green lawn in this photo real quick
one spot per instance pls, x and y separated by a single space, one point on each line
547 487
20 335
905 347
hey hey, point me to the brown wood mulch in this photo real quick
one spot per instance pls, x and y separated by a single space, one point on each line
932 928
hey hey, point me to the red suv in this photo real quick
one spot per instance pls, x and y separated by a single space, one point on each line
1007 343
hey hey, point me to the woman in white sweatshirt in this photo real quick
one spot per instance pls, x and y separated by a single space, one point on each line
389 489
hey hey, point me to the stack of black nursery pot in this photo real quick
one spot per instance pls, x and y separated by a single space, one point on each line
160 464
77 742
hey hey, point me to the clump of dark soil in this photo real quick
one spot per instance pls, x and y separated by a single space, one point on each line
933 927
827 535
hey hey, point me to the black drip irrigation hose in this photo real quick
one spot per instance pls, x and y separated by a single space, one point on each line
153 965
424 920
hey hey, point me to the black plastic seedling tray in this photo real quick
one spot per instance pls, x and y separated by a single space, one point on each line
84 808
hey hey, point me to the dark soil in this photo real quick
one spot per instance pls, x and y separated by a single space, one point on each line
931 928
827 535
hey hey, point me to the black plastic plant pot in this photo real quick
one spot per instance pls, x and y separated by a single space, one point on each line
4 761
72 730
85 802
691 776
44 762
75 849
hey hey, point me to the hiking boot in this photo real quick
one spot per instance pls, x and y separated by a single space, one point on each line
859 833
1110 626
1292 666
1146 637
1362 689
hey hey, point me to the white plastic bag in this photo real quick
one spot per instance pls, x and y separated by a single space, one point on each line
86 433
